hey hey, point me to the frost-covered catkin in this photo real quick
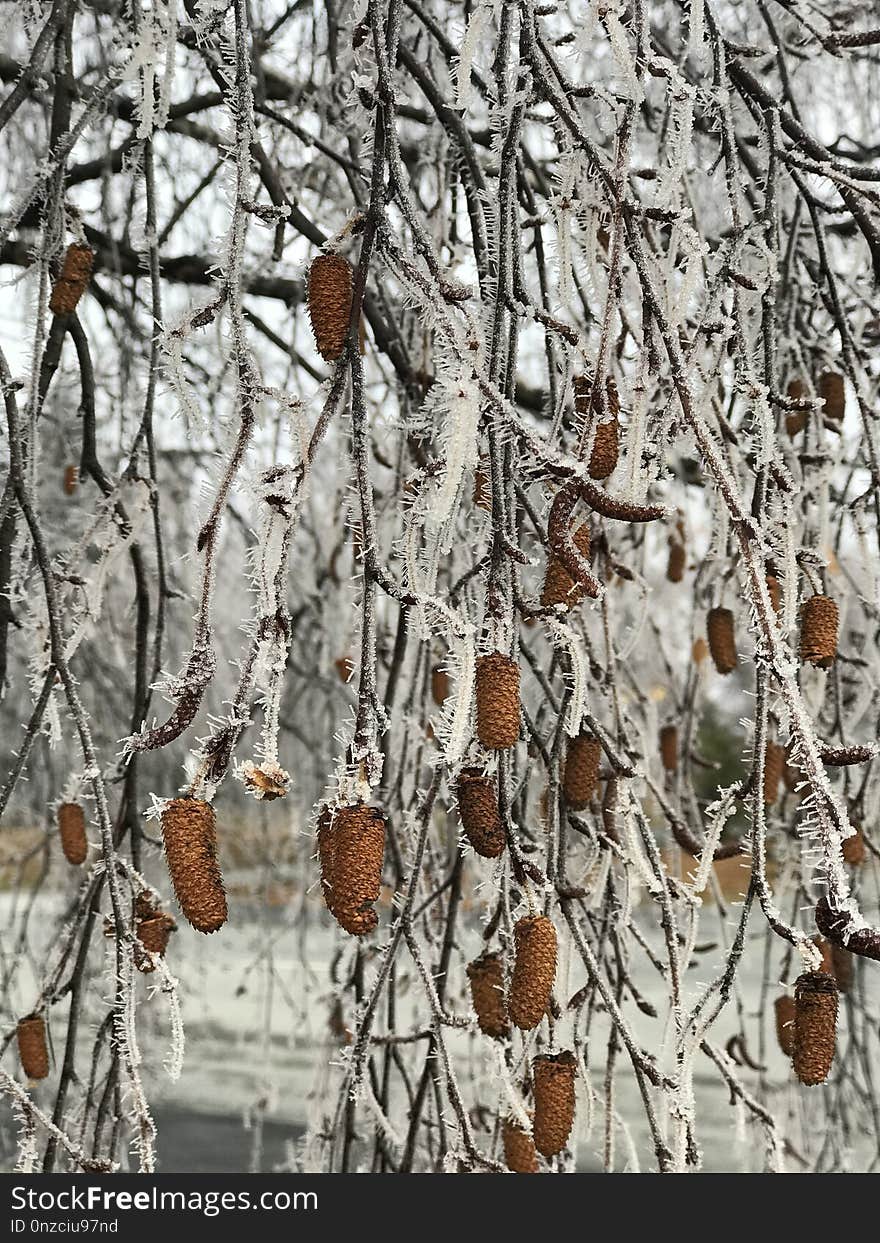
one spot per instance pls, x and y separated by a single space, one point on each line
330 279
498 706
520 1155
72 832
554 1076
722 639
72 280
559 586
815 1026
833 392
581 770
819 625
480 816
486 976
33 1050
351 848
189 831
669 747
534 970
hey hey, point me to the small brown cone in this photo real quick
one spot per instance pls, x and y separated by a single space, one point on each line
700 650
833 393
581 774
520 1156
819 623
478 810
439 685
330 303
855 852
189 830
669 747
774 591
722 639
71 479
815 1025
72 831
351 846
498 707
843 964
554 1076
153 934
559 586
32 1048
72 280
774 767
606 450
795 422
344 666
486 975
784 1011
534 970
677 562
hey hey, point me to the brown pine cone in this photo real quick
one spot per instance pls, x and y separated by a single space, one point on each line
534 970
153 934
669 747
520 1156
72 831
815 1026
774 767
498 706
784 1011
478 810
72 280
675 566
833 392
722 640
581 774
855 852
606 450
486 975
559 586
71 479
189 830
819 623
351 847
554 1076
32 1048
330 279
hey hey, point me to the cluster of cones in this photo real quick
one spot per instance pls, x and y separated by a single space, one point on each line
523 1003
